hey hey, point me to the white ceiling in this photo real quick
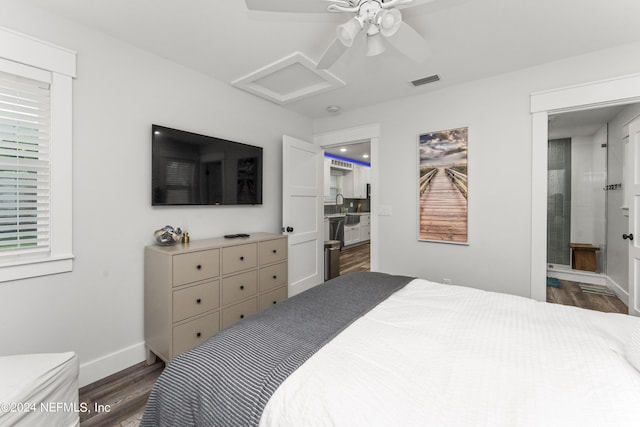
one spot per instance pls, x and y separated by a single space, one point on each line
355 151
469 39
581 123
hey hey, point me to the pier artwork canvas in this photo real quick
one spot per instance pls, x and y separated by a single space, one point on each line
443 207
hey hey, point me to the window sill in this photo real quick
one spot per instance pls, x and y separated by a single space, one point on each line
42 267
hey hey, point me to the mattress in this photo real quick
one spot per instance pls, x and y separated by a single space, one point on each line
438 355
39 390
369 349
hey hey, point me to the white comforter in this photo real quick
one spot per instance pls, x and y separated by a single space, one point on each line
438 355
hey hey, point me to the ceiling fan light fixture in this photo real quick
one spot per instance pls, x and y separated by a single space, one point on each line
348 31
374 44
388 21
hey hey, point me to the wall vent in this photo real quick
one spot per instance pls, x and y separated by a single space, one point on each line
425 80
339 164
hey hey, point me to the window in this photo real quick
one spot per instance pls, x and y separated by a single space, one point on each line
24 165
35 157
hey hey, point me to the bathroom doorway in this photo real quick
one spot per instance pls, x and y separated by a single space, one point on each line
586 202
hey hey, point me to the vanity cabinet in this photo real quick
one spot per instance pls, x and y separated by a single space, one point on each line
193 290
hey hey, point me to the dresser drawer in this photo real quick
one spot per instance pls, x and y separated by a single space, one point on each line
272 297
272 251
195 266
238 258
231 315
190 334
240 286
195 300
273 276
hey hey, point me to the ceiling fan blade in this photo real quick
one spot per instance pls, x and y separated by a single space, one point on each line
410 43
331 55
296 6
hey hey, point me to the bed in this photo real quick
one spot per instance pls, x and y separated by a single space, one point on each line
371 349
39 390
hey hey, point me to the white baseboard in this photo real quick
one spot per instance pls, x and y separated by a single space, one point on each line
617 289
104 366
577 276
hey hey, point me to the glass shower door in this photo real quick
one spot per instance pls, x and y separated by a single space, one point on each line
559 202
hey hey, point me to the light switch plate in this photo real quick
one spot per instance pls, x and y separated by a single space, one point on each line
384 210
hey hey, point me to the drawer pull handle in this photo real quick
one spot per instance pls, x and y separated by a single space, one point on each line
199 267
242 316
198 301
275 302
275 277
198 334
241 258
275 251
242 287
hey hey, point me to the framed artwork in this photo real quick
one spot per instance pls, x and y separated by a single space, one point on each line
442 186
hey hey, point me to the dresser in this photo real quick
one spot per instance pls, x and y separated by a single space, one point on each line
193 290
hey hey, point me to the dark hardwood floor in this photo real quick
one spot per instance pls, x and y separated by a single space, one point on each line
355 258
571 294
120 398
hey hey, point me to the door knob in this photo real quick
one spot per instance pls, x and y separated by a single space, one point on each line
627 236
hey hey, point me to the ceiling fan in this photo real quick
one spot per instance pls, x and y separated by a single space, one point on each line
377 19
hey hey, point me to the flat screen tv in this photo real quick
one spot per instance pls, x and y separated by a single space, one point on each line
192 169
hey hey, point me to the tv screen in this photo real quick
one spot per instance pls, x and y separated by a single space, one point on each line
192 169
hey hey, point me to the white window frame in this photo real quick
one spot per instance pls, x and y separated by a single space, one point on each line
23 50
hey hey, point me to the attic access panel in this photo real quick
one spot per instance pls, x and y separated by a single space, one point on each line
290 79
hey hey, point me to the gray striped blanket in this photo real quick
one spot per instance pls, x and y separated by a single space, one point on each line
228 380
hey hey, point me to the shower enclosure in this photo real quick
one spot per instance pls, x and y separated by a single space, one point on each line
576 205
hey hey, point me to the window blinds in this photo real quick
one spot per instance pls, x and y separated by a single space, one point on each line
24 165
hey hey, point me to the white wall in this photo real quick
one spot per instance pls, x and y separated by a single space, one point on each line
496 110
97 310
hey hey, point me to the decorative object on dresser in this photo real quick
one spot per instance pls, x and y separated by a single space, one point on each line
194 290
168 235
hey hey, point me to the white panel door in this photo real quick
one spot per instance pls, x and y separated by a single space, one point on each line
302 212
633 178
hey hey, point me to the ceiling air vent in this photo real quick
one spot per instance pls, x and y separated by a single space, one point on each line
425 80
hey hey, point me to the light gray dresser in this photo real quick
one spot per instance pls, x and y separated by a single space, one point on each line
193 290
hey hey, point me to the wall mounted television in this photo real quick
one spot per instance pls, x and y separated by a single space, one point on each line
192 169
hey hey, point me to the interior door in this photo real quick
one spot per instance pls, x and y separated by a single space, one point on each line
633 178
302 215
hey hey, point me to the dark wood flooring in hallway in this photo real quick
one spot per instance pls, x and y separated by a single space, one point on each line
355 258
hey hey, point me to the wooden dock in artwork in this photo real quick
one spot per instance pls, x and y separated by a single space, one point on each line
443 211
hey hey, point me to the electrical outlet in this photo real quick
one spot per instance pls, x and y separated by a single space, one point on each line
446 281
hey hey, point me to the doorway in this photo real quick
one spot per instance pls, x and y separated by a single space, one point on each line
578 154
367 133
348 202
582 147
619 91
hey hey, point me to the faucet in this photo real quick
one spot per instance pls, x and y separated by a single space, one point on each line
341 202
